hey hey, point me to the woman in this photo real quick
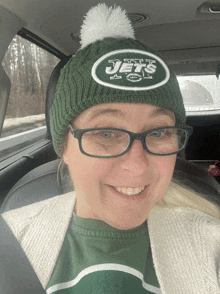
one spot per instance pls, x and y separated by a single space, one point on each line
118 123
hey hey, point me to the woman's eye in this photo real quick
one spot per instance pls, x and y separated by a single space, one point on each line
157 134
106 135
163 133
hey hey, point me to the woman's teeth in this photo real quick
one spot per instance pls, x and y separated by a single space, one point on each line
129 191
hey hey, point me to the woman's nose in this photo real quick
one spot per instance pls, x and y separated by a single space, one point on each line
136 159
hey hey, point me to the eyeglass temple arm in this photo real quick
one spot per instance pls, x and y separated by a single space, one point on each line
71 128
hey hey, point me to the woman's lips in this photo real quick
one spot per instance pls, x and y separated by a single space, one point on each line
129 191
139 196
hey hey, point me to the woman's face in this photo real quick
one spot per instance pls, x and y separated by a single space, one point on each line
95 179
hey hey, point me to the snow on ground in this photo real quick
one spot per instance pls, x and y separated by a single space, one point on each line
14 126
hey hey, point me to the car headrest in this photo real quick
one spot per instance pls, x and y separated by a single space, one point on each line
51 90
198 179
45 181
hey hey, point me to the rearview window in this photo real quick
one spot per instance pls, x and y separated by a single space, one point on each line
201 94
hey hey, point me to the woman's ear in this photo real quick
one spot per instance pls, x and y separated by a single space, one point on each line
65 150
65 156
65 159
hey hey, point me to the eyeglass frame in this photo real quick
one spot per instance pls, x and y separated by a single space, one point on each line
78 133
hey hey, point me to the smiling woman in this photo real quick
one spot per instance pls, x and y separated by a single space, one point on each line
118 122
135 169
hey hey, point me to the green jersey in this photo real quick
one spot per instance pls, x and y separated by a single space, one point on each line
98 259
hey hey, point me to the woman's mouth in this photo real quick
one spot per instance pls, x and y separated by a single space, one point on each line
130 194
129 191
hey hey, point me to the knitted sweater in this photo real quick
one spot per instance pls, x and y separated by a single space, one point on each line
185 243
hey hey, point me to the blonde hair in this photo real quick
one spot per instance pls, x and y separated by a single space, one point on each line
180 196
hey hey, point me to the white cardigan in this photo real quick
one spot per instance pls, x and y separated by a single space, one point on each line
185 243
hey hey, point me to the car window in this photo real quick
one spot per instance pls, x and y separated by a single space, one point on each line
29 68
201 94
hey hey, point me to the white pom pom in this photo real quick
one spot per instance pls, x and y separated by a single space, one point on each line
102 22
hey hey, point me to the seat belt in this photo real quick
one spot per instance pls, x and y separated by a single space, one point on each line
16 273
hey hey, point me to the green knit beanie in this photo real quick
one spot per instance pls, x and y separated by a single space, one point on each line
111 69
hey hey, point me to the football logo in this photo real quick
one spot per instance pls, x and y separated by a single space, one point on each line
129 69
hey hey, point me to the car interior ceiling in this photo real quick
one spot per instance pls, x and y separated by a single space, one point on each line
203 147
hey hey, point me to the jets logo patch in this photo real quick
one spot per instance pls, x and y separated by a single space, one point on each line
129 69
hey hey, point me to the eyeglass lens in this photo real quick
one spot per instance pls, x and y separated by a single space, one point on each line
112 142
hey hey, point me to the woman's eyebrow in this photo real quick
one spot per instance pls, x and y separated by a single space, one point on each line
162 111
98 112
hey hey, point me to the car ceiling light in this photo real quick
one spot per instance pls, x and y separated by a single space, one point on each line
137 17
214 8
209 7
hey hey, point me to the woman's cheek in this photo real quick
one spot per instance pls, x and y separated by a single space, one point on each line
89 170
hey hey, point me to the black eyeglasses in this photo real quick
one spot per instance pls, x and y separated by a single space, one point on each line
112 142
